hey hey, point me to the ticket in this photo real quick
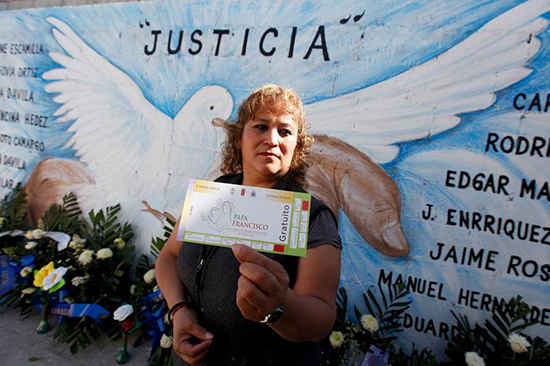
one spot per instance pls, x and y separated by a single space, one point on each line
267 220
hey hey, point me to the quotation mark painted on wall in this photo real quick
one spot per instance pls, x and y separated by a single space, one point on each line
146 23
355 18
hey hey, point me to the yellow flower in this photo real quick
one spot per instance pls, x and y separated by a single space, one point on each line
85 257
518 343
42 273
336 339
473 359
370 323
77 242
119 243
149 277
165 341
27 291
30 245
49 278
104 253
25 271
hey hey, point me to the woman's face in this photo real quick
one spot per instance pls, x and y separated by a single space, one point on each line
267 145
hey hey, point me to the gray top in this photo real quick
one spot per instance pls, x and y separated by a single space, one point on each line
212 289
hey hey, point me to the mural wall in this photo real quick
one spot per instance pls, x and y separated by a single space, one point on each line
431 120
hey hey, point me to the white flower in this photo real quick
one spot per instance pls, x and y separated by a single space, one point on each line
38 234
104 253
30 245
370 323
28 291
26 271
473 359
165 341
77 242
518 343
119 243
336 339
123 312
132 289
85 257
77 281
53 278
149 277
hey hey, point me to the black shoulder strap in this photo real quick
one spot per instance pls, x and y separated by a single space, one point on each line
231 179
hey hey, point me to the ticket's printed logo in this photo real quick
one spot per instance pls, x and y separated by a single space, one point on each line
219 218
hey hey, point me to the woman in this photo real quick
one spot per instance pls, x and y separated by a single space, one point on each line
241 307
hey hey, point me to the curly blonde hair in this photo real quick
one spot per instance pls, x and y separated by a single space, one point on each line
277 100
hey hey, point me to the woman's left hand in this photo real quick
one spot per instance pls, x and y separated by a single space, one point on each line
263 283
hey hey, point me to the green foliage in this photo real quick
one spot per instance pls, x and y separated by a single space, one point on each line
341 308
104 227
158 243
99 262
491 341
104 280
63 218
388 309
389 313
13 209
13 212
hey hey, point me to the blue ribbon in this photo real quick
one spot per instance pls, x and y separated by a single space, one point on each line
154 320
9 271
94 311
27 261
7 275
152 298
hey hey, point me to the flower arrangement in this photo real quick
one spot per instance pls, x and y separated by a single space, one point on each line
99 273
148 309
79 268
499 341
372 337
368 341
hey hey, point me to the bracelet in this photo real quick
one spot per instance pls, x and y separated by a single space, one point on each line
174 309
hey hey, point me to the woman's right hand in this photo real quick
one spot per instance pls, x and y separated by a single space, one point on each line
191 341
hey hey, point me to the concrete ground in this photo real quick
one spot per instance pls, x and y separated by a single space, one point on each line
21 345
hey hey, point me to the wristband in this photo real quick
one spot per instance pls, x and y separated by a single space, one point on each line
174 309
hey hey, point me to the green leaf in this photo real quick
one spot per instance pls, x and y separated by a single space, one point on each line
358 314
378 314
383 296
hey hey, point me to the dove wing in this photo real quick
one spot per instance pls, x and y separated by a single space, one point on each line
428 99
113 121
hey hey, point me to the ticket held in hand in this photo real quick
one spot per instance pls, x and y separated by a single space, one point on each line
267 220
